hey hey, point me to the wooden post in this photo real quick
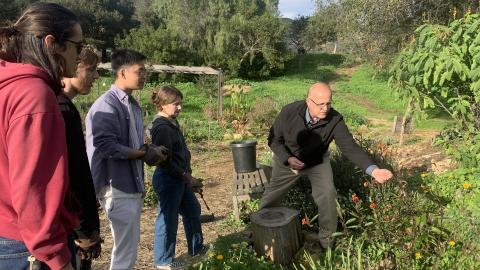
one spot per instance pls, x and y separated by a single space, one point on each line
277 233
219 96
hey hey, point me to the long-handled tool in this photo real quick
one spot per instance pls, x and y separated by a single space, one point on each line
197 187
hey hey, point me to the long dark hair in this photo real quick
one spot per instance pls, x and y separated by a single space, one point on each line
23 42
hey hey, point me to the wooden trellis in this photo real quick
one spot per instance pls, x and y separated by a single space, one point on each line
188 70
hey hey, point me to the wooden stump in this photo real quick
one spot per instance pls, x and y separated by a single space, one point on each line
399 121
277 233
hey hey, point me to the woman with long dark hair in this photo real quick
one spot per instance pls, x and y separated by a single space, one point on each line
36 210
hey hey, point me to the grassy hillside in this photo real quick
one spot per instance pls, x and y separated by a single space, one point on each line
359 97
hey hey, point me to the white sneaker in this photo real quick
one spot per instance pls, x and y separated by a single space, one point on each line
176 265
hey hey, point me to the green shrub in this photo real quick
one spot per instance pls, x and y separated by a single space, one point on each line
405 223
462 146
231 252
195 130
150 199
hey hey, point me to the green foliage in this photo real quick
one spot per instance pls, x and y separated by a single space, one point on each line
321 27
102 20
462 146
263 113
196 130
416 221
441 69
375 30
296 34
161 46
243 37
150 199
10 10
230 252
247 208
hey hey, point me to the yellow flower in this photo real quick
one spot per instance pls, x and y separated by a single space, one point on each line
423 175
418 256
451 243
219 257
211 254
467 185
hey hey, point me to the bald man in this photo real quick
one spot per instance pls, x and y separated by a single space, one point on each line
299 139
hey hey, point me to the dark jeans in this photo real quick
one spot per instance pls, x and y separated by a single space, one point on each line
14 255
174 198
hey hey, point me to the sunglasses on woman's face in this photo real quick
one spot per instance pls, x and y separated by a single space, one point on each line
78 45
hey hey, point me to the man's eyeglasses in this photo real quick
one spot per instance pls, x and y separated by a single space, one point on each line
327 105
78 45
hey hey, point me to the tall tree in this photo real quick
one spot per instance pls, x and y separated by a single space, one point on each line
231 34
376 29
296 34
10 10
102 20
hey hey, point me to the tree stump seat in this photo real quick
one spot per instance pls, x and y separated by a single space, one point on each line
276 233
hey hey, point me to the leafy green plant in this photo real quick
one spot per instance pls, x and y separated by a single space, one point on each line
441 69
247 208
232 252
199 130
150 198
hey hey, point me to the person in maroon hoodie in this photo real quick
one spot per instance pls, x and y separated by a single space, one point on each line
40 48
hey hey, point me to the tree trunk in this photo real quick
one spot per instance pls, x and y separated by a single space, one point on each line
277 233
406 117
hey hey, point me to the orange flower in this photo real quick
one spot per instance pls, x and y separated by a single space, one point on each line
467 185
355 198
305 221
373 205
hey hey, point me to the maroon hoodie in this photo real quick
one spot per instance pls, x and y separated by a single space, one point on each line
33 165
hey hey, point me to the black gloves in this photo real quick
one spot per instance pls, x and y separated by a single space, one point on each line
88 247
197 185
154 155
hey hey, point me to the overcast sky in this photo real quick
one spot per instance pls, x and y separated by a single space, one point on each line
293 8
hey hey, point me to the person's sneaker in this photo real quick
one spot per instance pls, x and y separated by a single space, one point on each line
176 265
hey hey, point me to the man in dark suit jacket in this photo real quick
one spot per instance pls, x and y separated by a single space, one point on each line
299 139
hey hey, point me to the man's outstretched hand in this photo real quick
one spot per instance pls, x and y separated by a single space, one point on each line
381 175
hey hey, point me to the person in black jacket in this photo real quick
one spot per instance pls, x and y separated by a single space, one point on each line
172 182
299 139
88 235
